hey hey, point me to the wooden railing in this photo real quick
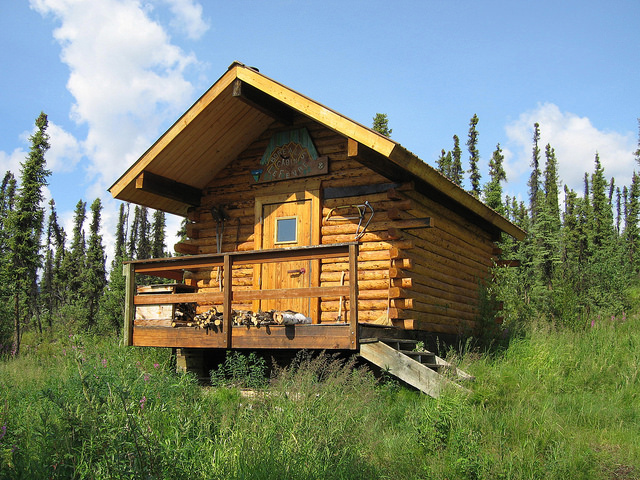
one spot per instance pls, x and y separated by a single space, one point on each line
174 268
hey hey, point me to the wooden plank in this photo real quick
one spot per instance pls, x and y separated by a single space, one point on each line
323 337
406 369
329 337
129 308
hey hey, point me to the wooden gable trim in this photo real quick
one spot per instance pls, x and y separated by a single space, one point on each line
318 112
168 188
265 103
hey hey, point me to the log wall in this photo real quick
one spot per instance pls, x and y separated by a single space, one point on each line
410 275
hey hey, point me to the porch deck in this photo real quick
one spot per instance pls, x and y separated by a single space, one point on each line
330 336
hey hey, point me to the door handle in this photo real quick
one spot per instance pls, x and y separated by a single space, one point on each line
298 271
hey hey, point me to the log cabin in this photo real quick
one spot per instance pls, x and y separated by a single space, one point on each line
293 207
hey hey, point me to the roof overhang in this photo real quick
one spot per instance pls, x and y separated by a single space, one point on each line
172 173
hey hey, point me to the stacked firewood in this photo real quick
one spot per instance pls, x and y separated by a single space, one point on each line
185 316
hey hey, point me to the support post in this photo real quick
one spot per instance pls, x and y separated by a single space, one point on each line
128 269
353 294
227 295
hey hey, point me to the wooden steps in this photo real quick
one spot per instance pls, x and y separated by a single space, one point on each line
421 369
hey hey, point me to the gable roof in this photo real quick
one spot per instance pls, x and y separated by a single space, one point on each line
222 123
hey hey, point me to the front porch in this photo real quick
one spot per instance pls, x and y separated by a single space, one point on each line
326 336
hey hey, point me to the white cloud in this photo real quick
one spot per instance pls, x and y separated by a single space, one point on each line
575 140
127 78
65 151
11 161
188 17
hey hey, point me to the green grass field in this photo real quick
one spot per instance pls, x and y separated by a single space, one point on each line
555 404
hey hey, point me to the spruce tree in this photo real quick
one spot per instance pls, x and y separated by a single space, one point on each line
111 312
381 124
443 167
121 233
143 248
493 189
7 197
474 157
133 234
534 179
547 226
25 228
95 277
158 247
631 231
49 288
457 172
602 213
74 261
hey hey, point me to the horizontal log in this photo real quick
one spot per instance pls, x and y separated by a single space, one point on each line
362 265
363 316
425 262
362 257
186 248
438 244
364 295
443 310
379 201
367 237
362 275
333 306
447 300
377 226
430 285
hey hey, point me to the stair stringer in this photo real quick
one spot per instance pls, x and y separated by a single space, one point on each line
406 369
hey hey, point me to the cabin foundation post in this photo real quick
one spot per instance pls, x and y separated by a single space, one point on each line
190 360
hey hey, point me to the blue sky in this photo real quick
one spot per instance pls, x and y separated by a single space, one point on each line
113 75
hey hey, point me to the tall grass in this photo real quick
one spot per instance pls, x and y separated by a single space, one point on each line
554 404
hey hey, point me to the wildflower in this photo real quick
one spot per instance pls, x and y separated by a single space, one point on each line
593 323
156 365
143 400
104 362
3 431
146 377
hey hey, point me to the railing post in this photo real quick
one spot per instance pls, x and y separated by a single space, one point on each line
227 295
353 295
128 269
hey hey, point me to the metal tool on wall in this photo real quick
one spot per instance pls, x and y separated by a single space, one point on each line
362 209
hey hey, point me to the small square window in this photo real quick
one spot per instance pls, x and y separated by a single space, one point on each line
286 230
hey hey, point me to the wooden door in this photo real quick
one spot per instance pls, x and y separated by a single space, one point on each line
287 224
